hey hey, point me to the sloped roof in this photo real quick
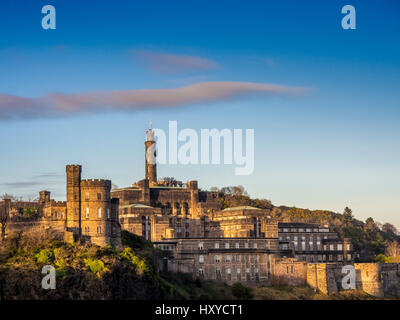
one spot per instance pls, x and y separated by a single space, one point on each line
241 208
136 205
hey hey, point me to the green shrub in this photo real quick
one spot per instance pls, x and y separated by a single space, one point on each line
138 262
95 266
382 258
45 256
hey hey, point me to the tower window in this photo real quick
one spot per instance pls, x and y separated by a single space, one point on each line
99 196
87 196
87 213
99 213
108 213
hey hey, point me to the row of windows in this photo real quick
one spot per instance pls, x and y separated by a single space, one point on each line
237 245
56 215
321 258
99 213
87 229
87 196
228 271
167 209
236 258
318 238
331 247
303 230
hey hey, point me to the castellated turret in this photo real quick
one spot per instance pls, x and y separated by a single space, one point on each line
96 210
44 197
150 156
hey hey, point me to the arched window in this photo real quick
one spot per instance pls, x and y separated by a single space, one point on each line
168 209
177 208
87 213
185 208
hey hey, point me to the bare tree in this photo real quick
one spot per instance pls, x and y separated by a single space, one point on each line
4 216
393 249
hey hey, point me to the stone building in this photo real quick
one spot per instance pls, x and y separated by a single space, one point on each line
89 214
314 243
198 237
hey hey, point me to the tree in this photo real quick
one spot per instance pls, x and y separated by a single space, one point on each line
390 229
393 249
370 225
4 215
241 292
347 215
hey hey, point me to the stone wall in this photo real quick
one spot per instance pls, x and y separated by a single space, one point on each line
321 276
289 272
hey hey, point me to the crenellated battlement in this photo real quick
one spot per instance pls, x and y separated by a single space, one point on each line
55 203
95 183
70 167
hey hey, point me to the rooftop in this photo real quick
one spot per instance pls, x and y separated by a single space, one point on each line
241 208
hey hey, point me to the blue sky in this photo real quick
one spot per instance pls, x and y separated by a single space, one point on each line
337 145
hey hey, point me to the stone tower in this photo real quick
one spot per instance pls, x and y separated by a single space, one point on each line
150 156
96 220
44 196
74 198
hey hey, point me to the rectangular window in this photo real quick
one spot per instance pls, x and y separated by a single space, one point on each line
228 258
217 258
87 196
331 248
228 270
340 247
99 213
200 245
246 245
238 270
201 259
255 245
226 245
99 196
87 213
108 213
216 245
